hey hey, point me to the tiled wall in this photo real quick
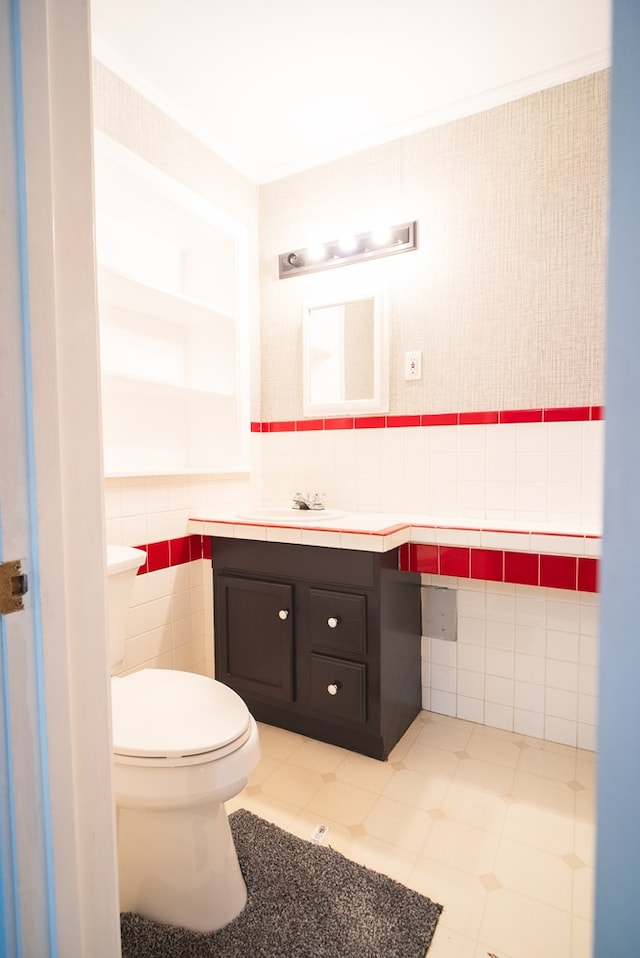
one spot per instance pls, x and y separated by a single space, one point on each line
520 471
170 617
525 660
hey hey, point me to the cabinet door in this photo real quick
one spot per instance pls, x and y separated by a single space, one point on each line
254 636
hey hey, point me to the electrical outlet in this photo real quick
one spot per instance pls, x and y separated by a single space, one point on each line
413 364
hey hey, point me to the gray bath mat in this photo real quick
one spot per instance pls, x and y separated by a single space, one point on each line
305 901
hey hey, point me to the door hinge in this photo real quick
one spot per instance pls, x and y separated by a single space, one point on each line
14 584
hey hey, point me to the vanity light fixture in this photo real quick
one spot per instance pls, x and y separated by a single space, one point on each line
355 248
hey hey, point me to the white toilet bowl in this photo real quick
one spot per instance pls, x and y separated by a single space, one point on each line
183 745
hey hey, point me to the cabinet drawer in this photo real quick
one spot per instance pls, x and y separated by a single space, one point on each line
347 681
338 621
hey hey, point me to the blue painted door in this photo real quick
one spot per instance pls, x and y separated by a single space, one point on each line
27 915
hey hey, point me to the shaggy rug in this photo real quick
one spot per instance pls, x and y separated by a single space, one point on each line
304 901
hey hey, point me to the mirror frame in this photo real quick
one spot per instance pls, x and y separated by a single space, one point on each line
379 402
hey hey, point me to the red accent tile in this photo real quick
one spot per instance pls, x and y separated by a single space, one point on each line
558 572
285 425
403 421
521 415
423 558
145 565
195 547
440 419
303 425
567 414
521 567
487 564
477 418
597 412
588 574
404 557
256 427
345 422
158 555
206 547
265 427
179 551
454 560
370 422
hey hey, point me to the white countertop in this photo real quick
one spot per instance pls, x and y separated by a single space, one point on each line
381 531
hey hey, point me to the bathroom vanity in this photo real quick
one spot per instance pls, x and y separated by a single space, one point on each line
321 641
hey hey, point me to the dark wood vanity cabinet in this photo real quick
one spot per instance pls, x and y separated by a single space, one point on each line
325 642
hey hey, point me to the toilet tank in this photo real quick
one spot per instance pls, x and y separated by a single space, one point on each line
123 563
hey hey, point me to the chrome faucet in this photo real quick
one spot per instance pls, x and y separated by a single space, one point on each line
308 501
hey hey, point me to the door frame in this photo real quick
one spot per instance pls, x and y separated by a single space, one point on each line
67 476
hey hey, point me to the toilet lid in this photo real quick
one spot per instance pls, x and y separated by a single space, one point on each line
166 713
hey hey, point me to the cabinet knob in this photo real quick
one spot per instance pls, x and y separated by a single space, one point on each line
283 614
333 688
332 622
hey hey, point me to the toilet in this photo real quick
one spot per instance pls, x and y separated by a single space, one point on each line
183 744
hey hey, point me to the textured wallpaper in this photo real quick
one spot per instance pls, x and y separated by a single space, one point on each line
505 294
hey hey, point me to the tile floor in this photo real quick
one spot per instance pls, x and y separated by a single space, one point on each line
497 827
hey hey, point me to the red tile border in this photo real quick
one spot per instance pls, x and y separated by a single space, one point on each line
558 572
588 574
157 556
454 560
344 422
424 558
393 421
573 573
567 414
370 422
487 564
520 415
179 551
304 425
521 567
439 419
477 418
491 416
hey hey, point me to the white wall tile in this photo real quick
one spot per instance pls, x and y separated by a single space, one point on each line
531 668
530 640
561 730
529 697
562 675
443 678
443 702
500 662
528 723
443 652
563 645
470 656
499 716
470 684
471 631
500 635
561 704
565 615
498 690
470 709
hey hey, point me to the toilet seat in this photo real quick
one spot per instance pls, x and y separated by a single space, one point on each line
167 717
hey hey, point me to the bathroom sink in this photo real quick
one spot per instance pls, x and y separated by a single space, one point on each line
269 514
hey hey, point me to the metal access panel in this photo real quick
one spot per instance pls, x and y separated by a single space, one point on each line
439 613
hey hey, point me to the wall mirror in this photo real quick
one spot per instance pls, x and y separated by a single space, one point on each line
346 356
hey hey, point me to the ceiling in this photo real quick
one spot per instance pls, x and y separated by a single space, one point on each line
277 86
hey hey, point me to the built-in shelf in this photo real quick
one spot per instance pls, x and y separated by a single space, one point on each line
127 293
172 281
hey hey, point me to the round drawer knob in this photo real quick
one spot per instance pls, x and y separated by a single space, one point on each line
332 622
283 614
333 688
